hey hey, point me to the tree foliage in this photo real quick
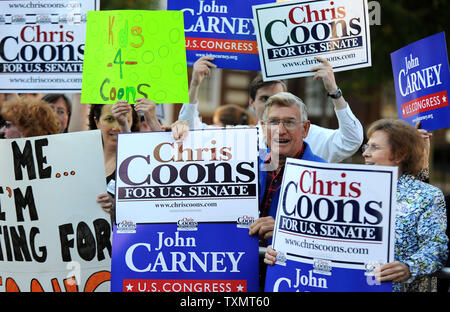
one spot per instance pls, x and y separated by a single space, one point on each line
402 22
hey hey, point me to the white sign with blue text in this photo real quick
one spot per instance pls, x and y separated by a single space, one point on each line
334 226
422 81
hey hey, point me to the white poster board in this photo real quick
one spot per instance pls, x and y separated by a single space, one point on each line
54 236
159 180
291 34
42 45
340 214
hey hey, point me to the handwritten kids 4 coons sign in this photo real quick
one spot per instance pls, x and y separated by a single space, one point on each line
422 80
290 35
53 234
198 177
134 54
334 226
42 44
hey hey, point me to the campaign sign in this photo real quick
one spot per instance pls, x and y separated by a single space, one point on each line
54 235
334 226
215 257
42 45
211 176
133 54
223 29
422 80
292 34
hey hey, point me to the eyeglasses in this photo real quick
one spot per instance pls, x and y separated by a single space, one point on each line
371 148
289 124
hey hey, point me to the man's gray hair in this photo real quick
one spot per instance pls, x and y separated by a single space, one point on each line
286 99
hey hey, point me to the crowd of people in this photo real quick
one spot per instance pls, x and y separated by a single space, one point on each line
421 235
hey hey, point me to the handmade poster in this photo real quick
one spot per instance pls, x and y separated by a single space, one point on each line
183 212
292 34
223 29
160 180
422 81
42 45
134 54
334 226
54 237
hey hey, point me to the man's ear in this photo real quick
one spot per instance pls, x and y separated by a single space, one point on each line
306 125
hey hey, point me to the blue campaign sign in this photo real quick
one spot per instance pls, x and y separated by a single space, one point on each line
223 29
422 79
205 257
320 277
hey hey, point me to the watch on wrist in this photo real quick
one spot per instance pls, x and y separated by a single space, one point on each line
336 94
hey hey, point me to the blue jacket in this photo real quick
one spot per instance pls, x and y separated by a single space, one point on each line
307 155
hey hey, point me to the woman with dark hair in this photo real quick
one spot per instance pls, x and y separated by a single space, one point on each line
421 242
62 107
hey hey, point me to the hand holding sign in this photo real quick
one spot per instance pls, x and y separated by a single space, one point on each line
263 227
325 72
422 78
121 110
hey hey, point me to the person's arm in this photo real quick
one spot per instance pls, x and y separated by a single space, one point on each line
106 202
335 145
79 120
200 70
338 144
189 111
433 241
190 114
